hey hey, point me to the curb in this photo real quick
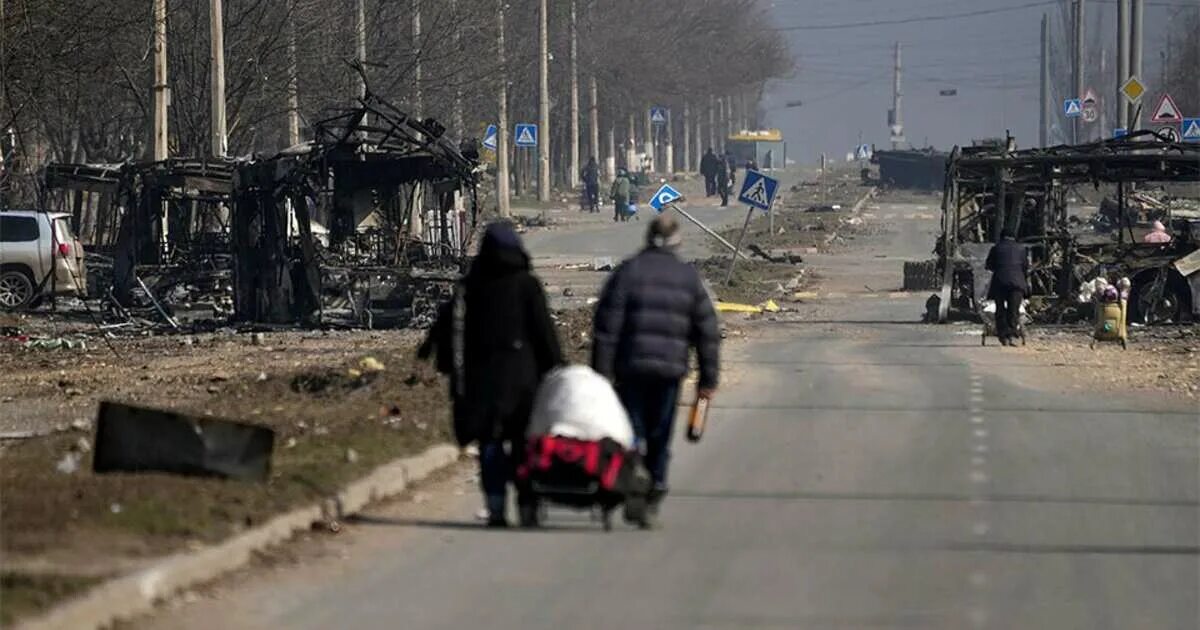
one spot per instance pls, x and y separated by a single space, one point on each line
137 593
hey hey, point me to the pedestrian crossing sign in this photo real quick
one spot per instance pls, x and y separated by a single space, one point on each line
489 138
863 152
526 135
658 115
665 196
758 190
1073 108
1191 129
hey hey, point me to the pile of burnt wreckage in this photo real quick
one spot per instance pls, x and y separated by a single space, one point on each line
366 225
1082 211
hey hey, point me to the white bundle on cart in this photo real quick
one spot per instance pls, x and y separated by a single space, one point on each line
577 402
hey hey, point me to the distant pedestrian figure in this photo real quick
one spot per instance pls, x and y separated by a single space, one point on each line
708 169
496 341
591 184
1157 234
731 163
621 193
1009 265
724 186
652 311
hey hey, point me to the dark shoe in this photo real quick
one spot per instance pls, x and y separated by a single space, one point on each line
497 522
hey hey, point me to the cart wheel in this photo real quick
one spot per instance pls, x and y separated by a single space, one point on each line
529 514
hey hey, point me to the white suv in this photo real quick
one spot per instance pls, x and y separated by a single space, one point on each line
39 256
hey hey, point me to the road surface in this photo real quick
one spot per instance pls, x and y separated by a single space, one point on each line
860 471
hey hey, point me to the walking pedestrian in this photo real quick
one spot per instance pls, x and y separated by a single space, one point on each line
496 341
731 162
708 169
591 184
621 194
652 311
724 186
1009 265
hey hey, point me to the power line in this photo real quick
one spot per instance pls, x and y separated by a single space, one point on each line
913 20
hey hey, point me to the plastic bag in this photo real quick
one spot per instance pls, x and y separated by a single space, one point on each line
631 209
576 402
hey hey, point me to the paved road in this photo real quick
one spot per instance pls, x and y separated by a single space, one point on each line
861 471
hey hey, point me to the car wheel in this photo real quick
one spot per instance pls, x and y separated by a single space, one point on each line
16 290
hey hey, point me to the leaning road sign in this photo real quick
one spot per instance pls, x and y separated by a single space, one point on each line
758 190
1191 129
1133 89
665 195
658 115
526 135
489 137
1073 108
1167 111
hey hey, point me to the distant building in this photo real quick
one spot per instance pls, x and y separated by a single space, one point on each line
765 146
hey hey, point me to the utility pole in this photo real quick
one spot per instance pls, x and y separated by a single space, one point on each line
1077 64
418 104
897 127
1136 20
631 145
594 119
573 174
544 102
696 150
1122 61
161 91
293 84
1044 99
216 28
360 36
501 119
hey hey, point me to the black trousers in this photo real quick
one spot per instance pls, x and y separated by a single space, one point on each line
1008 312
710 185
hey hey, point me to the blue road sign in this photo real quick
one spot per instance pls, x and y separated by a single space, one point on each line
664 196
1072 108
1120 132
489 137
526 135
658 115
758 190
1191 129
863 152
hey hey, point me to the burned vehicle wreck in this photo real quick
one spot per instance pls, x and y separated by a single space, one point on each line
367 225
1042 195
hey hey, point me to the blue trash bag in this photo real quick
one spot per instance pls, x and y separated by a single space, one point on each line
631 209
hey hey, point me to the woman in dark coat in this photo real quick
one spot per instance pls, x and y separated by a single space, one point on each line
496 341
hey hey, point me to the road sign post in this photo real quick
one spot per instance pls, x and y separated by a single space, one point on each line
758 193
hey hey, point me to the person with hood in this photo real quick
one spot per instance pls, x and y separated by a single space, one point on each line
496 340
621 194
1157 235
652 311
708 169
591 184
1009 265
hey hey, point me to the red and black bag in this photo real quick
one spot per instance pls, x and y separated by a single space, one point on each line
593 470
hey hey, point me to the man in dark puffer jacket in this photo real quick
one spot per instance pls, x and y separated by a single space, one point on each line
653 309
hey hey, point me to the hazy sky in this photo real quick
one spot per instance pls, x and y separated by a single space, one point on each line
844 76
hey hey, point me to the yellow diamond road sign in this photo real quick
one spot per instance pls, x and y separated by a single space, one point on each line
1133 89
